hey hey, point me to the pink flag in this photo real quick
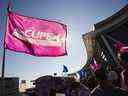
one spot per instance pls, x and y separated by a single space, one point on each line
94 65
34 36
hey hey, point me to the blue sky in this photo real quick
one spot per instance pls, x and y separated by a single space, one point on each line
78 15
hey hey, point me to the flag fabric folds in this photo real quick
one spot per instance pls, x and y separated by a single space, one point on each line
37 37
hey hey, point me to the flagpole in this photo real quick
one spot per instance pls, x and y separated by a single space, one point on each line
3 61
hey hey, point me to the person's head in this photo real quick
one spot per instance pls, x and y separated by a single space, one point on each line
102 78
124 59
100 75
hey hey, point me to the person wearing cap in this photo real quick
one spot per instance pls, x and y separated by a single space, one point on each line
105 85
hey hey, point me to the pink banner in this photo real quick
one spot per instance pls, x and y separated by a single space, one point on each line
34 36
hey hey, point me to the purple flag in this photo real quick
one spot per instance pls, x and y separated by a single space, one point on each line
34 36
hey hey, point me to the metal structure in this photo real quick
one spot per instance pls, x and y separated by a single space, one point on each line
107 33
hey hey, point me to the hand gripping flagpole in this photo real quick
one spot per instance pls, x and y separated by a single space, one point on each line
3 61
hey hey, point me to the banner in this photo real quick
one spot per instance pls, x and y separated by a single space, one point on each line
35 36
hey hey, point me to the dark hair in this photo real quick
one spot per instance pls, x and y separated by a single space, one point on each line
124 57
100 74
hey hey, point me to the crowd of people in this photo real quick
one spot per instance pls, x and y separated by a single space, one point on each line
110 82
104 81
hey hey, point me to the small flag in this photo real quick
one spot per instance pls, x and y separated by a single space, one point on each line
124 49
94 65
65 69
37 37
118 46
121 47
82 73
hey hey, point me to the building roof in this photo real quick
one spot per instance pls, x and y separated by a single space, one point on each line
113 21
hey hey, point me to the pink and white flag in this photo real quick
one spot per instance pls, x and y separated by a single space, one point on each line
34 36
